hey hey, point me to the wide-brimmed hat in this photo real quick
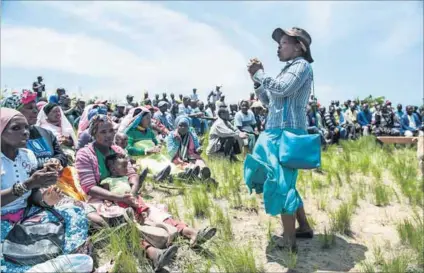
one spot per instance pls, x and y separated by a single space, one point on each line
301 35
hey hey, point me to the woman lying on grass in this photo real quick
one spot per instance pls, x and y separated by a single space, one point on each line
110 180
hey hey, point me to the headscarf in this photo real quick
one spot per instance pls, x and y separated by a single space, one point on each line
6 114
17 100
182 119
65 128
84 120
41 104
130 121
49 107
95 121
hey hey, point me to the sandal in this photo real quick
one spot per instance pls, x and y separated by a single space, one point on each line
203 236
142 177
164 257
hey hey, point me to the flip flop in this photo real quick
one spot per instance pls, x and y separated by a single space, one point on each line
165 257
204 235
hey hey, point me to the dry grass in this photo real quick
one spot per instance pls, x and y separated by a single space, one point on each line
359 178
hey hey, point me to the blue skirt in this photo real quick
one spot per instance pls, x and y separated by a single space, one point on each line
76 233
263 173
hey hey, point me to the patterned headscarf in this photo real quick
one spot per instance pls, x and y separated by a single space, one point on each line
182 119
16 101
95 122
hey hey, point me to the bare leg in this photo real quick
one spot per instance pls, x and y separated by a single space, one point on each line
189 233
289 230
302 220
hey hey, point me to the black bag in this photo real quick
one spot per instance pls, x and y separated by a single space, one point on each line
30 243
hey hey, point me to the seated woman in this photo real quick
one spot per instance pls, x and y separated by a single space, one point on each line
85 138
43 143
92 170
184 149
143 145
19 188
51 118
245 121
224 138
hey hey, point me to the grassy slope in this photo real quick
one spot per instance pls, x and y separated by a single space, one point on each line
366 209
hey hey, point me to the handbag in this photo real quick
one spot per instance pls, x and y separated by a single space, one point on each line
300 151
29 243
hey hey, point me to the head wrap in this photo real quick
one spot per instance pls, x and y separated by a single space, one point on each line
49 107
162 103
95 111
40 104
95 121
132 120
16 101
182 119
257 104
6 114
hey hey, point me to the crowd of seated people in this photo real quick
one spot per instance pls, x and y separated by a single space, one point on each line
355 119
86 159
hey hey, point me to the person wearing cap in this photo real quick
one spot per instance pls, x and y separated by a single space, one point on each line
194 96
286 97
55 98
257 108
215 94
163 116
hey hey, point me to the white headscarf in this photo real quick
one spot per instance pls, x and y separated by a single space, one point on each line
65 128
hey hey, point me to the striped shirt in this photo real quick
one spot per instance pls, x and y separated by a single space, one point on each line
287 95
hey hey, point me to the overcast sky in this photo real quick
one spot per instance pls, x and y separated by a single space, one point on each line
110 48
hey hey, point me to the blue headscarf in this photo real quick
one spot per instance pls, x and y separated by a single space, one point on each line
182 119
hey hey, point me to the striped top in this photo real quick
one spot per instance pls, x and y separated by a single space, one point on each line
287 95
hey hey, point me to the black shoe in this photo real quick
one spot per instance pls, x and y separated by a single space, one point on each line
196 171
165 257
142 177
205 173
162 175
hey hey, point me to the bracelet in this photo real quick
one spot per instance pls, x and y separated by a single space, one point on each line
18 189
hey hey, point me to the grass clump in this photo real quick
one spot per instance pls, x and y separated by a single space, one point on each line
382 194
223 221
411 233
232 258
200 202
341 219
327 239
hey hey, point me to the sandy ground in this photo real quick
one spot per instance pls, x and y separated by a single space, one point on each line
371 226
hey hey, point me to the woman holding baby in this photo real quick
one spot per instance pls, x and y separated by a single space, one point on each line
112 184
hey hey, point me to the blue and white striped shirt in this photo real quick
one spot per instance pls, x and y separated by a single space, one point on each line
287 95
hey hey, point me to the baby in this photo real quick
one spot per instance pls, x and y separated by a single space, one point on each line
118 181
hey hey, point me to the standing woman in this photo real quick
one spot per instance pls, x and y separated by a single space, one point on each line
286 96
